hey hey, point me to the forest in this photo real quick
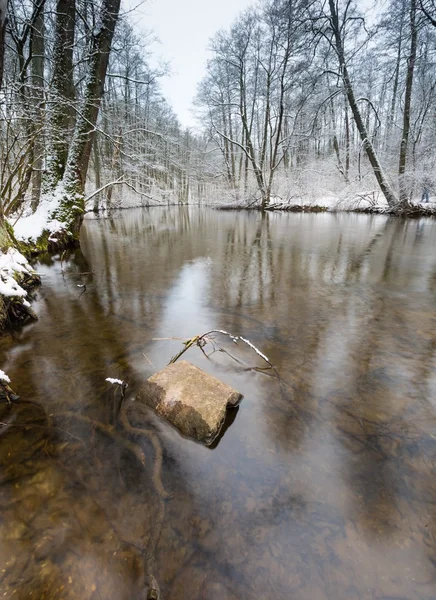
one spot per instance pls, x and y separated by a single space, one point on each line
304 102
218 341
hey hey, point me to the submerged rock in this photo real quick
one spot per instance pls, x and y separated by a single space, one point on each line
190 399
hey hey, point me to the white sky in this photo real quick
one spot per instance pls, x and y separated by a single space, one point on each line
184 28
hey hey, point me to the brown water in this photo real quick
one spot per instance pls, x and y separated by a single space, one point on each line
322 487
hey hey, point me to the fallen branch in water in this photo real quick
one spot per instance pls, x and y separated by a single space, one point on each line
202 340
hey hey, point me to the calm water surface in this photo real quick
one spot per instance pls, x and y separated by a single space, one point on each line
322 487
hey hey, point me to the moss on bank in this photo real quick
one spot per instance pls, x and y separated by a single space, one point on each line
47 242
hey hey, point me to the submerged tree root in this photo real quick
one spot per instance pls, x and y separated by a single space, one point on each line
107 430
162 494
116 435
157 447
147 553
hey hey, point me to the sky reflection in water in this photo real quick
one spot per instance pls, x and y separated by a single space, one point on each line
324 484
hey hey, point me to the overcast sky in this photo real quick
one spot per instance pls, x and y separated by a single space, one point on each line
184 28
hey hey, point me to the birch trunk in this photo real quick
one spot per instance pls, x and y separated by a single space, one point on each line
387 190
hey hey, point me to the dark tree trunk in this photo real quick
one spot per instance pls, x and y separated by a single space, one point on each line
384 185
404 196
37 41
391 116
78 159
64 94
3 14
72 205
97 170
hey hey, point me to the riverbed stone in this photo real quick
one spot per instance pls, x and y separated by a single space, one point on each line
190 399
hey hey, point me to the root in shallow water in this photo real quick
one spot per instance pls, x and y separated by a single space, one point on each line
157 447
116 435
125 436
107 430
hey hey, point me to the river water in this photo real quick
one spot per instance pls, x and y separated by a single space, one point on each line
323 485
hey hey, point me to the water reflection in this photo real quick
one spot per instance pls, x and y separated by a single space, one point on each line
323 485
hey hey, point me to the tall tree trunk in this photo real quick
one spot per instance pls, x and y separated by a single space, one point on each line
63 91
72 205
391 116
250 152
37 41
3 14
384 185
274 160
78 158
232 149
347 141
97 169
115 167
404 196
341 169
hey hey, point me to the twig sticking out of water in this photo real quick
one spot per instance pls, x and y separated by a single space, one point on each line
62 263
83 286
202 340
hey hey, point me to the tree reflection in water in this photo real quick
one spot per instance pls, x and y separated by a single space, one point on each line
321 487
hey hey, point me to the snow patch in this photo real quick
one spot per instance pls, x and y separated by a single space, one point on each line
29 228
11 263
4 377
115 381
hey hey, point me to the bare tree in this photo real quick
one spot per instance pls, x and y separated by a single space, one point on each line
404 192
71 207
428 7
62 92
337 28
37 53
3 16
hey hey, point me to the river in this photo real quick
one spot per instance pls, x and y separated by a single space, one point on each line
323 484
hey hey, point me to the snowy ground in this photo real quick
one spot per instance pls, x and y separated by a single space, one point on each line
29 227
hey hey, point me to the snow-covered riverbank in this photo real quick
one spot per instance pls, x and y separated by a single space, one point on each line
16 279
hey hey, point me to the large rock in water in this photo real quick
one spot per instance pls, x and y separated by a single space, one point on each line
190 399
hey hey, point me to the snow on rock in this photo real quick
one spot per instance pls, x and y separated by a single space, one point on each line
29 228
12 263
115 381
4 377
